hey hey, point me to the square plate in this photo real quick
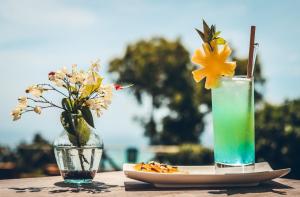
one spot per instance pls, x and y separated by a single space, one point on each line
205 176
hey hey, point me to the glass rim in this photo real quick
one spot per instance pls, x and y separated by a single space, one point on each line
236 78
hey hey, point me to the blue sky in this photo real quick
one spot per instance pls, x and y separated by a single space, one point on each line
39 36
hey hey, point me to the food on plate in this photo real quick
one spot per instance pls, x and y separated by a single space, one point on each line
153 166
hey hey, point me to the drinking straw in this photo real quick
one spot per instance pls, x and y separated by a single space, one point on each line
251 50
250 67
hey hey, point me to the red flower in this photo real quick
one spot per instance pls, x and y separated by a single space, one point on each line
118 87
51 76
51 73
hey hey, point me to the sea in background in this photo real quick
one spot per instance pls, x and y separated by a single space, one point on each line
118 152
115 144
119 155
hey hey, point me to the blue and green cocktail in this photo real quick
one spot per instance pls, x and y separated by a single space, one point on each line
233 122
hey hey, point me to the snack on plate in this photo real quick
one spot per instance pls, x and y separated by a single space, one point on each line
153 166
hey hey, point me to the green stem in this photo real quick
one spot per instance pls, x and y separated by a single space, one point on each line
51 103
80 154
53 88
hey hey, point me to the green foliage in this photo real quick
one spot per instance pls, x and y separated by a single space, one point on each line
76 124
278 135
67 122
87 115
209 34
161 69
189 154
83 131
77 128
7 155
67 104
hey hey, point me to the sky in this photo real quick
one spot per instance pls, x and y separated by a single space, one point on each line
40 36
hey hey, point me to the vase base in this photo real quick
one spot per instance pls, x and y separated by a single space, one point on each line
78 177
78 181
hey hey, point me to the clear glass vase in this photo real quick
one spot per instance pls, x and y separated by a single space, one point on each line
78 164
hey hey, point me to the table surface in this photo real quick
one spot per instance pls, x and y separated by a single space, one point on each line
116 184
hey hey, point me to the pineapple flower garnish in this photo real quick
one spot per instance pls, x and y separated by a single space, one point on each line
213 60
82 93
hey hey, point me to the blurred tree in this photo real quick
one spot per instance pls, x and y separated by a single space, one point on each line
189 154
7 163
278 136
161 69
7 154
35 156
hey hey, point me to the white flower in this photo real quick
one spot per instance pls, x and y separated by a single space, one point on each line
107 91
78 77
16 113
64 70
97 104
22 98
95 65
35 90
74 68
103 100
90 103
98 112
90 78
37 109
58 82
22 102
101 103
94 104
58 76
62 73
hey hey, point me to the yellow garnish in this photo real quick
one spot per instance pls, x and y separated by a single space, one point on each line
214 64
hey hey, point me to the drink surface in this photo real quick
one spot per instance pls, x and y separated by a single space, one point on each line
233 121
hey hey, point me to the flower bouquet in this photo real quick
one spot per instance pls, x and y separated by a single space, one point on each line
78 149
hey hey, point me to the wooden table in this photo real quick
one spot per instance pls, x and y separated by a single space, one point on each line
116 184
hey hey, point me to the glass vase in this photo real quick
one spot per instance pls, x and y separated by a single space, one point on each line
78 164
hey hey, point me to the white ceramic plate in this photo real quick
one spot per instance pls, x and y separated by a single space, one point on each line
205 176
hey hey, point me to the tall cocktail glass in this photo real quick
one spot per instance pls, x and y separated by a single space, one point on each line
233 123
